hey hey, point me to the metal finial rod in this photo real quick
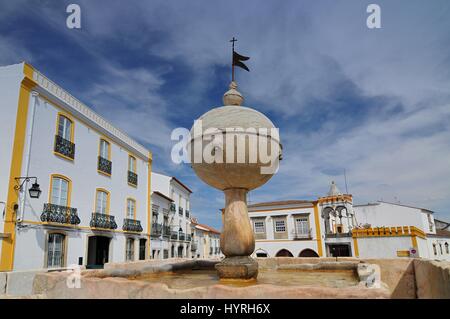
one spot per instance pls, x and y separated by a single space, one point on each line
232 59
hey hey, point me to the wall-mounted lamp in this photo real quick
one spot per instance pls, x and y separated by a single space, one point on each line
34 191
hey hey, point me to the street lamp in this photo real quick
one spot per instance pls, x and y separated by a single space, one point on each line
34 191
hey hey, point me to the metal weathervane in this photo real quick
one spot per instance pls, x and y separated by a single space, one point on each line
237 60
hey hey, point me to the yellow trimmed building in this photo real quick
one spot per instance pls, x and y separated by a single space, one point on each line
333 226
74 189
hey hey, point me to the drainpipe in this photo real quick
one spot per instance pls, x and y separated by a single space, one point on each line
29 141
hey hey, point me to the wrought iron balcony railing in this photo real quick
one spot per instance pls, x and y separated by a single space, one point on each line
99 220
64 147
180 211
132 225
59 214
193 246
156 230
181 236
166 231
188 237
174 235
104 165
173 208
132 178
187 213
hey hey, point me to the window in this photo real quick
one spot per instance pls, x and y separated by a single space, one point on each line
64 127
131 208
129 254
280 226
59 191
131 164
440 249
104 149
302 225
102 202
434 249
446 248
55 250
259 226
64 145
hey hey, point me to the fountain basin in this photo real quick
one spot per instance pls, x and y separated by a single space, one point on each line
197 279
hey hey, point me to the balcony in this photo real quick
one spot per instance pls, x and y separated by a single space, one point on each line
166 231
180 211
103 221
338 235
59 214
173 207
181 236
187 213
64 147
156 230
193 246
104 165
174 235
132 225
301 235
132 178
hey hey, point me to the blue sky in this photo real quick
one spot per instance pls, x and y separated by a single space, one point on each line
375 102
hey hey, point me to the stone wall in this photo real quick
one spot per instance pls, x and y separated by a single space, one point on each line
432 278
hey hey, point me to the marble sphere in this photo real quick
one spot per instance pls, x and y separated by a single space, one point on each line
247 173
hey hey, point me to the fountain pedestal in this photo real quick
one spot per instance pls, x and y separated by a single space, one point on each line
237 241
241 138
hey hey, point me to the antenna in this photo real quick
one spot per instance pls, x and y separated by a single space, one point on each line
345 177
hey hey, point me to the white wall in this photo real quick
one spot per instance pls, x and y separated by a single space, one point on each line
390 215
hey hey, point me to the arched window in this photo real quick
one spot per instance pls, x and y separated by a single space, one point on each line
131 208
55 250
261 253
60 190
105 151
65 128
284 253
446 248
102 202
131 163
308 253
434 249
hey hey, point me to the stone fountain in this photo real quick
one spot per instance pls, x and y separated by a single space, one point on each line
218 133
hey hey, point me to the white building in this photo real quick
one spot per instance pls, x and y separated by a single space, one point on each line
174 232
205 241
170 213
333 226
95 201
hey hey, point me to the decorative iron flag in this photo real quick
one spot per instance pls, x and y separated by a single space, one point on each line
237 58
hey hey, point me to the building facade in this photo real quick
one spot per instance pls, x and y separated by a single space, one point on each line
333 226
205 241
94 205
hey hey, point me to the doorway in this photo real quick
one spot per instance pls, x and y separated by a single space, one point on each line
340 250
142 245
98 252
